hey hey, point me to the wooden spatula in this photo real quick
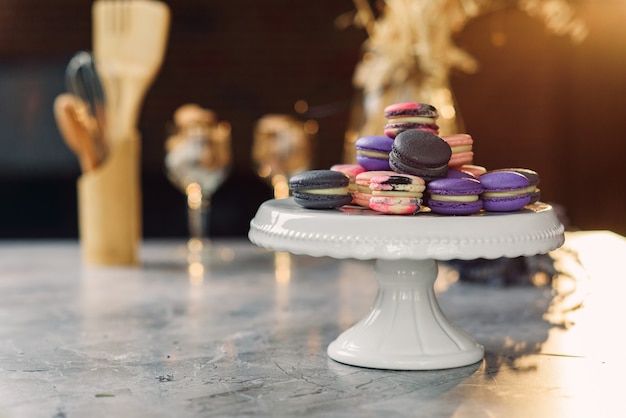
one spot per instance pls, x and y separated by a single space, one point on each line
129 42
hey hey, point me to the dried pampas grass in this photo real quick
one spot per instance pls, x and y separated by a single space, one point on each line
410 53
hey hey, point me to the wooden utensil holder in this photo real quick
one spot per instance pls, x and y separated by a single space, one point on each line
109 205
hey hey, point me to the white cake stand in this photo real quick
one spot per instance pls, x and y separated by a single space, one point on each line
405 329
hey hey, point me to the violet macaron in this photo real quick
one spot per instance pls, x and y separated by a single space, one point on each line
458 173
533 179
504 191
455 196
372 152
420 153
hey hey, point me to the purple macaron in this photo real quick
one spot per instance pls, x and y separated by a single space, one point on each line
504 191
455 196
372 152
457 173
533 179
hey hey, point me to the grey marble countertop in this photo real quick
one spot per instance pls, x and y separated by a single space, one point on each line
245 334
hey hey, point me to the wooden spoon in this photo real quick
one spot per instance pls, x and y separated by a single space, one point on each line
74 132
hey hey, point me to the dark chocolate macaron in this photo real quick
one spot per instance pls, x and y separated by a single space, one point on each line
320 189
420 153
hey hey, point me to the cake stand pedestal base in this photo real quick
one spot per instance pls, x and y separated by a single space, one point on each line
406 329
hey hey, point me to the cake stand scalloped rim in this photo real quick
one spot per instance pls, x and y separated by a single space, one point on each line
284 226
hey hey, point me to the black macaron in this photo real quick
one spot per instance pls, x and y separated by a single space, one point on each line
420 153
320 189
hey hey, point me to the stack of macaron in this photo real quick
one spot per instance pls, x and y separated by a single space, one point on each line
411 168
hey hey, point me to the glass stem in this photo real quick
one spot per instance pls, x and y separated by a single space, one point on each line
198 208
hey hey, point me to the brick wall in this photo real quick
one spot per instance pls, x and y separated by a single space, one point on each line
538 100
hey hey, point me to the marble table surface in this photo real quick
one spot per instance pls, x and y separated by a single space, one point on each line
244 332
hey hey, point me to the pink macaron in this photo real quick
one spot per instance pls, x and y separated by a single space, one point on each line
351 171
410 115
476 170
461 145
363 193
398 194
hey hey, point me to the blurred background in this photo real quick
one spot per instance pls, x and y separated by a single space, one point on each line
537 99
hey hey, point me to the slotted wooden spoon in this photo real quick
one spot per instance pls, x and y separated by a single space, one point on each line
129 43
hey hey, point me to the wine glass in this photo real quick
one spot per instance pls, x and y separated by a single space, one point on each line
197 161
281 148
